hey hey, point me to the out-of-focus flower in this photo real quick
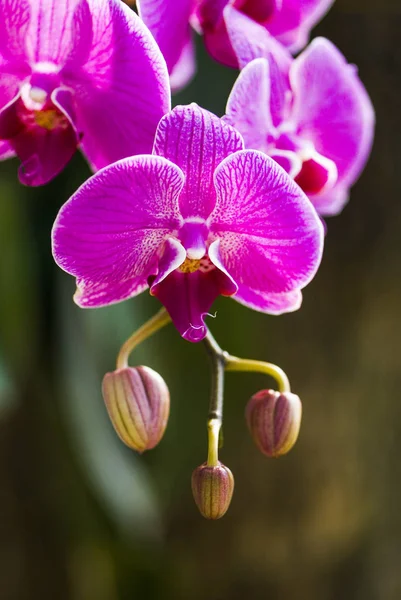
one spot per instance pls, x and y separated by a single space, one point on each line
274 420
79 73
290 21
138 403
199 218
212 488
311 114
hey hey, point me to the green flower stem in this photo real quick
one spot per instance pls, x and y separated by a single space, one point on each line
257 366
159 320
215 416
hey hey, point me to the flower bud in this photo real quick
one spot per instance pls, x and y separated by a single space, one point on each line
212 488
138 403
274 420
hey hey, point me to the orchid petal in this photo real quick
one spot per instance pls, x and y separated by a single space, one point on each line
318 174
197 141
291 24
332 108
6 151
185 68
288 160
14 23
331 202
274 304
44 152
121 89
250 41
168 25
188 298
93 294
271 238
112 228
172 256
249 103
54 29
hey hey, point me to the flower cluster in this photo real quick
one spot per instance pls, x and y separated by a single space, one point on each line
182 202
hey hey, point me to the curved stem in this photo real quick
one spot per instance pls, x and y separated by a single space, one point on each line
159 320
243 364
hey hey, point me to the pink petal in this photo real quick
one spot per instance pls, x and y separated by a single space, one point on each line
112 228
291 24
332 202
251 41
332 108
197 141
121 88
317 175
185 67
169 25
6 151
188 298
271 238
93 294
14 23
43 152
248 106
52 33
274 304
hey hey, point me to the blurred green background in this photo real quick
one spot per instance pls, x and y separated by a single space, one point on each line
84 518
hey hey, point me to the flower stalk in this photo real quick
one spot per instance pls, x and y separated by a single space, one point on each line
159 320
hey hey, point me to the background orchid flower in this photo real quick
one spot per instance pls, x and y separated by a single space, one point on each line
290 21
79 73
199 218
311 114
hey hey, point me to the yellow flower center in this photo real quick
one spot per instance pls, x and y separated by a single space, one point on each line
50 119
190 265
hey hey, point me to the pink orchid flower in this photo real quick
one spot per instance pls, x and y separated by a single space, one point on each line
311 114
76 73
199 218
289 21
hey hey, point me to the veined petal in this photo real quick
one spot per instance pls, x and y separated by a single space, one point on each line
111 230
274 304
197 141
332 108
291 24
248 106
93 294
169 26
53 30
14 23
121 86
250 41
271 238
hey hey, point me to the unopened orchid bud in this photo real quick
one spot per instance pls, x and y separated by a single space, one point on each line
212 488
274 420
138 403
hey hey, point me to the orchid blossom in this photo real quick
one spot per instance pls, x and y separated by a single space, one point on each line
77 73
289 21
199 218
311 114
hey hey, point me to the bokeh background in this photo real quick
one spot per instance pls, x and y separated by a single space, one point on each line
84 518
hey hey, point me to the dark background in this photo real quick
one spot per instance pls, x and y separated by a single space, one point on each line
84 518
